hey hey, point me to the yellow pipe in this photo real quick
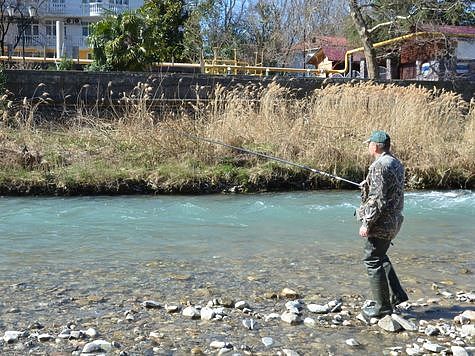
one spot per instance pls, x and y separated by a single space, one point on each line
390 41
42 59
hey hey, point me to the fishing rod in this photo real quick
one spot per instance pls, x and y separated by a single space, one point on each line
215 142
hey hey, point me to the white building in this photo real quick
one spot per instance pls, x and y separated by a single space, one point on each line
33 25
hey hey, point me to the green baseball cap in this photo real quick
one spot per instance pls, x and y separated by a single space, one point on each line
378 137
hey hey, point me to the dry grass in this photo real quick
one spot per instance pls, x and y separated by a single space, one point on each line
433 132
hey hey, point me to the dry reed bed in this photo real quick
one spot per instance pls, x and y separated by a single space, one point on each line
433 132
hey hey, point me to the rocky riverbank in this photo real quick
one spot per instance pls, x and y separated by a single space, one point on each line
286 307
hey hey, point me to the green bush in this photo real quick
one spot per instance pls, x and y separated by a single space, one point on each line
65 64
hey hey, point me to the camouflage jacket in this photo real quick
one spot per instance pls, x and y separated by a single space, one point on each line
383 197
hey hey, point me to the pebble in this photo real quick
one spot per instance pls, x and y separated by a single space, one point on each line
288 352
97 346
389 324
458 351
207 313
289 293
242 305
65 334
267 341
415 350
172 308
447 294
469 314
294 304
317 308
191 312
272 316
361 318
12 336
225 302
431 330
468 330
352 342
76 334
309 322
406 324
219 344
151 304
44 337
250 324
432 347
91 332
290 318
224 350
466 297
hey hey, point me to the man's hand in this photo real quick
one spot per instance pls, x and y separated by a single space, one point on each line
363 231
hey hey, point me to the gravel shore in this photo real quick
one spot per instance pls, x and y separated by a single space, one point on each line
263 306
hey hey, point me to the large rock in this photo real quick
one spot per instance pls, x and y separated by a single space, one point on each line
97 346
406 324
389 324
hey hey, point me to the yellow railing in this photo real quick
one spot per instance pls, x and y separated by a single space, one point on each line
219 66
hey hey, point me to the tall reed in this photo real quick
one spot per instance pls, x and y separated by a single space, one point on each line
433 132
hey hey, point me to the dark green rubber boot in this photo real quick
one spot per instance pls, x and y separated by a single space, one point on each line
380 290
396 292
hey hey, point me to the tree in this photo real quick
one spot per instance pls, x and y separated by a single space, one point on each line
134 40
21 18
4 24
377 20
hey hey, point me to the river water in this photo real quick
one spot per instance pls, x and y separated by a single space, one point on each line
43 231
174 247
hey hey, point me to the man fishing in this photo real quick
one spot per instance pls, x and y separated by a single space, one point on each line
381 216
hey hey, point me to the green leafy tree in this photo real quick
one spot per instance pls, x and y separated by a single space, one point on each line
134 40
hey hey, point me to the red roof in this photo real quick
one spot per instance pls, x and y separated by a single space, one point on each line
333 47
450 30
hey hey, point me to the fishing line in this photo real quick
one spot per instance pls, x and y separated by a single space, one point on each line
258 154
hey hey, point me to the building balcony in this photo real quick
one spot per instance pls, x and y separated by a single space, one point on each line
54 8
99 9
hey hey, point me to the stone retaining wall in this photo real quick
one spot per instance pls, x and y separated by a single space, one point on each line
90 87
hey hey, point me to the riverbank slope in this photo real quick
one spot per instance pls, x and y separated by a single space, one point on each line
136 148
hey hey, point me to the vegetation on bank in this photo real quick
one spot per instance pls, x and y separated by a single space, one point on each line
140 147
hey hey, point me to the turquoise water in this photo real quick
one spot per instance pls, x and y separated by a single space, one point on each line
74 231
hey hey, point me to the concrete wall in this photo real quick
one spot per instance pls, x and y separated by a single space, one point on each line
90 87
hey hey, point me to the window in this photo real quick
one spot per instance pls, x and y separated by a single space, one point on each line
50 28
85 29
